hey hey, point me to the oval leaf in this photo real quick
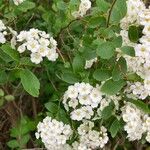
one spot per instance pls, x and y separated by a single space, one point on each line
30 82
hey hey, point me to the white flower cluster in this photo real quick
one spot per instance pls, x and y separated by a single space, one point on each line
136 90
53 133
3 32
106 101
132 116
81 99
90 139
89 63
146 127
134 7
17 2
139 15
85 5
39 44
137 123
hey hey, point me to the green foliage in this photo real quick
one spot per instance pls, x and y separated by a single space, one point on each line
115 127
20 134
119 70
111 87
128 50
107 111
10 52
78 63
141 105
25 6
106 50
30 82
95 35
118 11
101 75
103 5
133 33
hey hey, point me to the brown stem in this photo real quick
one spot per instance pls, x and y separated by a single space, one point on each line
109 14
34 108
59 52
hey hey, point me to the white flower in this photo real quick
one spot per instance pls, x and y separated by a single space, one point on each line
89 63
133 118
17 2
142 50
22 48
33 46
85 5
34 33
72 92
2 38
54 134
52 55
73 103
96 96
38 42
84 89
44 34
90 139
146 30
44 42
43 50
88 112
83 98
36 58
22 36
77 114
2 26
148 137
53 43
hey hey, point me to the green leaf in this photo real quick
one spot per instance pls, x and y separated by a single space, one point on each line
13 144
128 50
133 77
78 63
97 21
115 127
102 5
52 107
24 140
25 6
9 97
119 11
27 62
107 111
105 50
61 5
1 93
69 78
5 57
10 52
120 69
141 105
133 34
3 77
117 42
111 87
62 116
30 82
101 75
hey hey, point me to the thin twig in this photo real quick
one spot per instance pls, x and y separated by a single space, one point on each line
34 108
50 80
110 11
60 55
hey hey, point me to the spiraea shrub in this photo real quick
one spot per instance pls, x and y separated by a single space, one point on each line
75 74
